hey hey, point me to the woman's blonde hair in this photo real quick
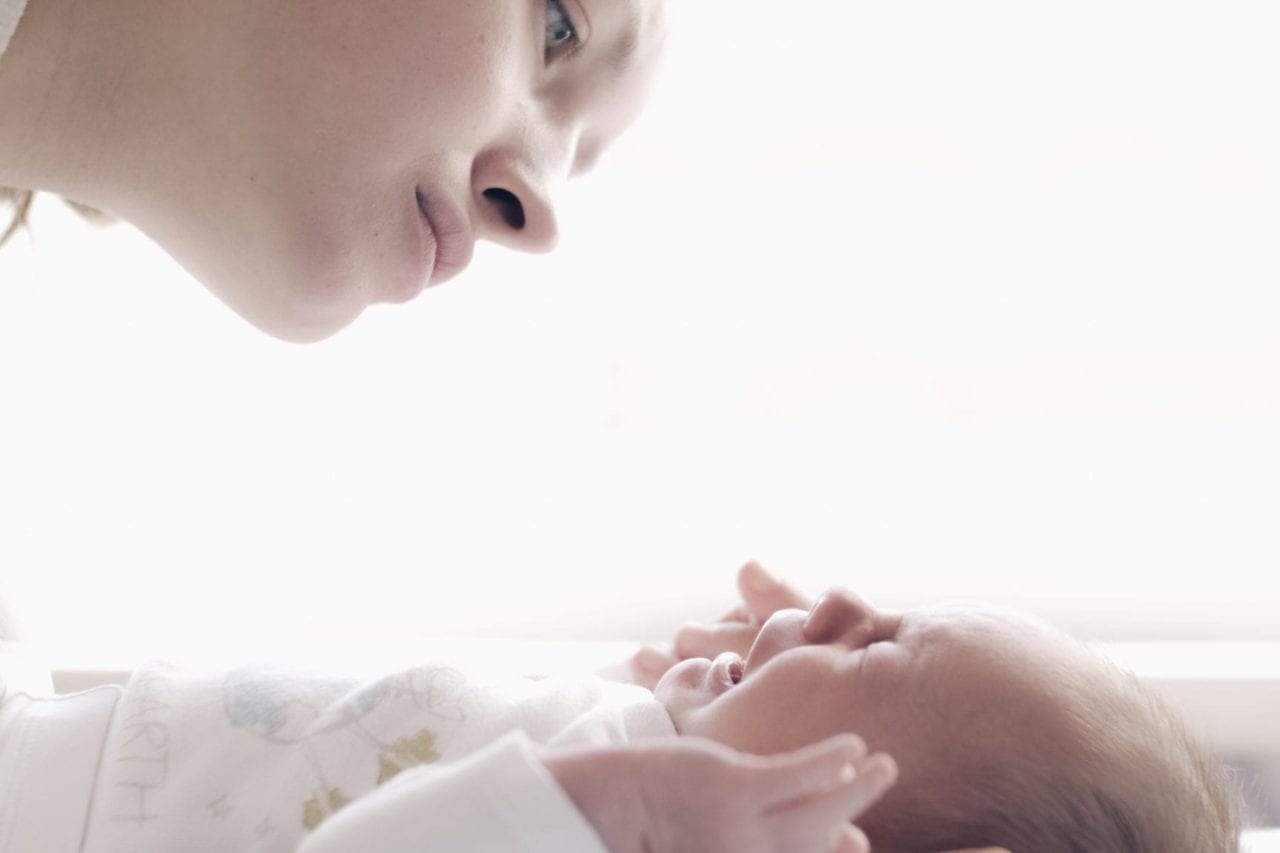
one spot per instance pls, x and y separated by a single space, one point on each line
20 201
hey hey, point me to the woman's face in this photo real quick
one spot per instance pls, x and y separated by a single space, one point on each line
341 154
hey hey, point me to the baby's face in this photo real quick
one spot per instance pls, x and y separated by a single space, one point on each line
346 153
926 686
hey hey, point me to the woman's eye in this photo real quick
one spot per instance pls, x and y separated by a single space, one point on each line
560 29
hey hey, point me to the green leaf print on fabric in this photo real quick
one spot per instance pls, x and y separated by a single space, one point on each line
316 809
352 735
407 752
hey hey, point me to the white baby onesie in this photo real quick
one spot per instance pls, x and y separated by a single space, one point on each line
270 759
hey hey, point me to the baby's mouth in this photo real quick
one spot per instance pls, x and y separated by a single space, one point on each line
726 671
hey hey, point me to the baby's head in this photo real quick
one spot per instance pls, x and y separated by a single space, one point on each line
1006 731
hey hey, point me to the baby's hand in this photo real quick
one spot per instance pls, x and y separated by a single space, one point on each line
762 595
694 795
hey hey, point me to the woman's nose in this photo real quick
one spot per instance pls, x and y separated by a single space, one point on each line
514 206
840 614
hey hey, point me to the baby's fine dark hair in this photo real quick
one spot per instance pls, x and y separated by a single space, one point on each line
1124 775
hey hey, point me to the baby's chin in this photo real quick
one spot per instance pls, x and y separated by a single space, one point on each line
682 692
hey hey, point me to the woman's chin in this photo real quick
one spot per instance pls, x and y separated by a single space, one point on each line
296 314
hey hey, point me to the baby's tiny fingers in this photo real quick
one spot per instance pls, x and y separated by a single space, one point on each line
836 809
850 839
706 641
737 614
650 663
850 797
874 775
654 658
764 594
809 772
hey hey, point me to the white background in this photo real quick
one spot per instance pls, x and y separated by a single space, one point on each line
931 299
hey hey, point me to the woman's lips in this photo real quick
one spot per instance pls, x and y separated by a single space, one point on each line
450 232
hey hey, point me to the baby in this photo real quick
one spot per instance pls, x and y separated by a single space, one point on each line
1004 731
429 758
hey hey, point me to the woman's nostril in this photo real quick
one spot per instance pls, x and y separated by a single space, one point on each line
508 205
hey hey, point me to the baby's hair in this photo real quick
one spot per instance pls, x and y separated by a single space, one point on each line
1123 776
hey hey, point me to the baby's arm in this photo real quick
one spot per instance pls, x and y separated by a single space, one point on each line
687 794
672 794
500 798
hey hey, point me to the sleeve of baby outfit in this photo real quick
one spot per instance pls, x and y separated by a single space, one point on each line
500 798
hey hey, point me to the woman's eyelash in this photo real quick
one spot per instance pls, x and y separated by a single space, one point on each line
561 34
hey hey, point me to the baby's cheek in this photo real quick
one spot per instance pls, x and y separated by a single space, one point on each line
680 691
754 721
793 714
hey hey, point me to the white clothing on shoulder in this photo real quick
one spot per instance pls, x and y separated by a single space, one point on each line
49 753
10 14
271 759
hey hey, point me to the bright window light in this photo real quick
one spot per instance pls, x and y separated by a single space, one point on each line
934 300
